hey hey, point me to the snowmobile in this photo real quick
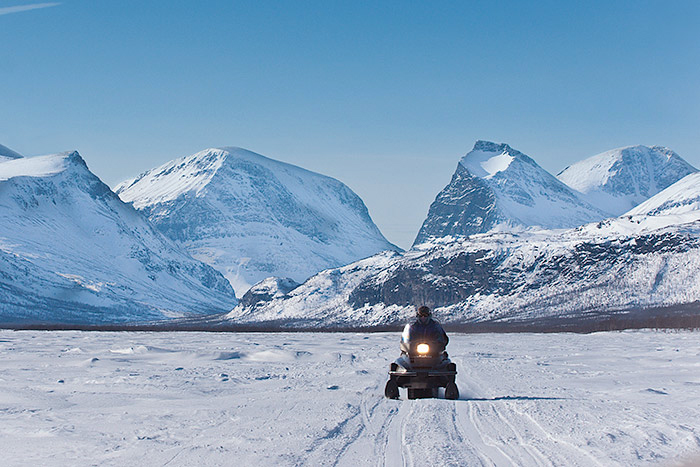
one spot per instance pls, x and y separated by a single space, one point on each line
422 368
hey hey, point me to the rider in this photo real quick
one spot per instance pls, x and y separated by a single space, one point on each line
424 326
423 366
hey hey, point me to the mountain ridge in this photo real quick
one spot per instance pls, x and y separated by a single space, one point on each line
639 265
501 278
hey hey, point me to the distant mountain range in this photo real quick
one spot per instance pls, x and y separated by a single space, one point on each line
504 244
507 244
543 278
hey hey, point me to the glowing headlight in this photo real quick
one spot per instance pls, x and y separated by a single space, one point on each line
423 349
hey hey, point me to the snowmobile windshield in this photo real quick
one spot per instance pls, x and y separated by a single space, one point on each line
418 333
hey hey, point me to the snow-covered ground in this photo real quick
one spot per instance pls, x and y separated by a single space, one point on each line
78 398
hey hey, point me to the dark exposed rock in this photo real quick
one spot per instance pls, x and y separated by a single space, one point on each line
448 214
446 280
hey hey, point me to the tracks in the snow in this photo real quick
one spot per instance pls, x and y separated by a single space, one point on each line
396 453
485 448
479 431
476 430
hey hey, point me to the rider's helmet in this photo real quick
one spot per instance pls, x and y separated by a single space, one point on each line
423 314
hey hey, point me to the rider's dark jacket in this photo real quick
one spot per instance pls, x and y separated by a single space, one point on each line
429 330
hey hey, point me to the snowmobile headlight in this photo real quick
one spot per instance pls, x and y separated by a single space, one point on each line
423 349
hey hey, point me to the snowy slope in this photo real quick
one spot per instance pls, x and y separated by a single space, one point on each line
252 217
7 154
496 188
72 252
680 199
618 180
299 399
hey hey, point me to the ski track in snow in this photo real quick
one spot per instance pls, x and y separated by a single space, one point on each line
78 398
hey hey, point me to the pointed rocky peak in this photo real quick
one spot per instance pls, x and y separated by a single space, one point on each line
496 148
490 146
497 187
488 159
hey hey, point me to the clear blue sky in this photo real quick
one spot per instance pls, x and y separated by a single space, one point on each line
385 96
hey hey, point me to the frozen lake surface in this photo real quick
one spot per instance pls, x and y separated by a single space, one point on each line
85 398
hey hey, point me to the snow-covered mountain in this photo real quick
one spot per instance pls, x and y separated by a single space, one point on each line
252 217
618 180
7 154
72 252
496 188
